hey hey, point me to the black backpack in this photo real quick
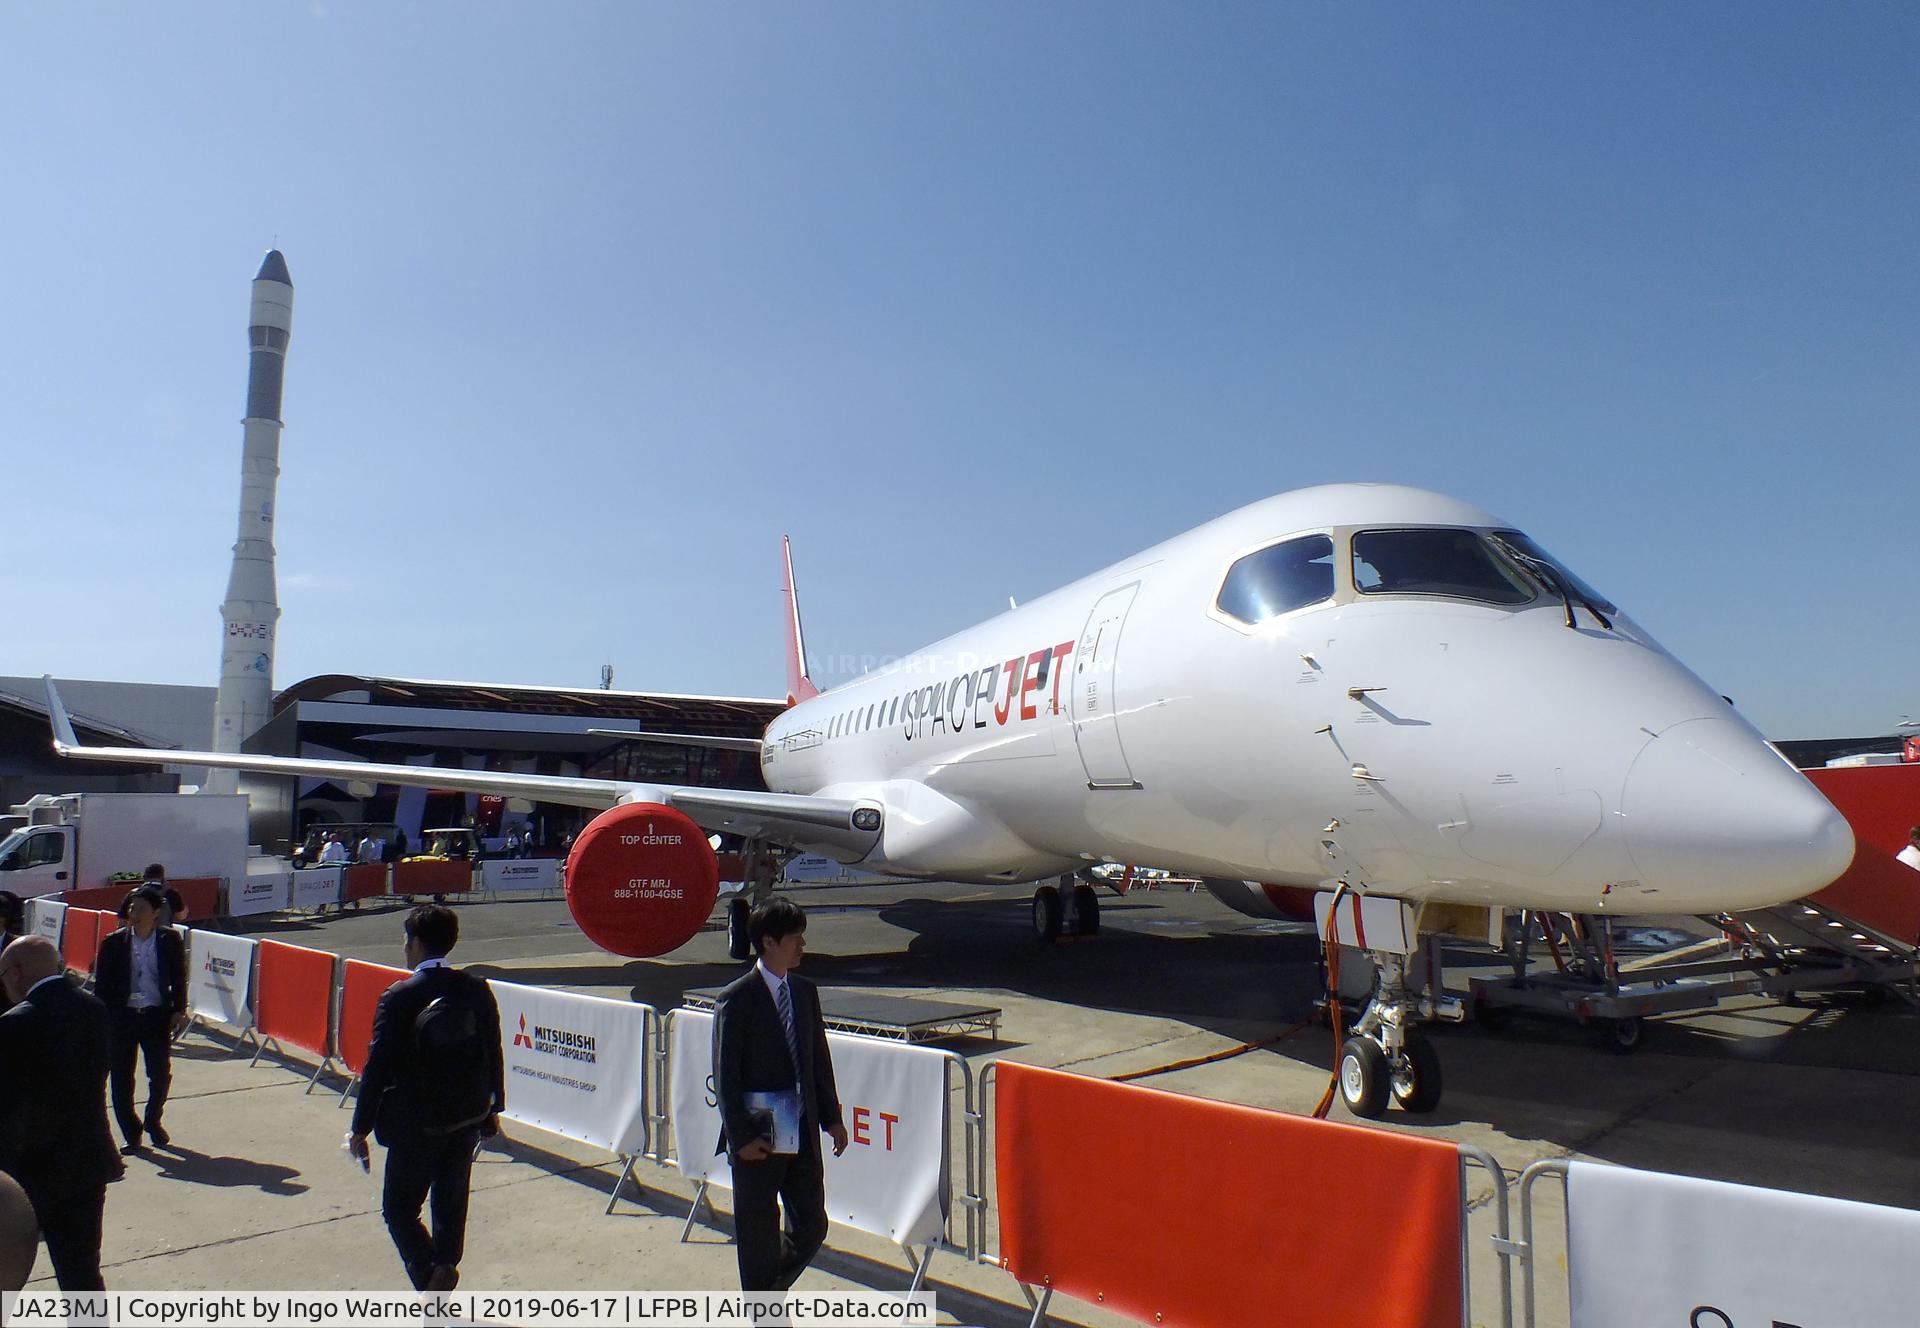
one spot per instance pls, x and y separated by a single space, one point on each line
453 1065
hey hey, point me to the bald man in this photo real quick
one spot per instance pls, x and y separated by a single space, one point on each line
55 1047
19 1235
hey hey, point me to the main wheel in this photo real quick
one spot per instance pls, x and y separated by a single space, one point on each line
1416 1079
1623 1035
1046 913
738 946
1086 910
1363 1078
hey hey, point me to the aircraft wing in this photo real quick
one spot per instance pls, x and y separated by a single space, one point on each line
796 820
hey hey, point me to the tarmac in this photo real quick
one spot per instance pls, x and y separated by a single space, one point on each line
256 1194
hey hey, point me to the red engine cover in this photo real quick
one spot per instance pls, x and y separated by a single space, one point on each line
641 880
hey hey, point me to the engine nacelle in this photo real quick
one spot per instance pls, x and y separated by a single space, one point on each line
1290 903
641 880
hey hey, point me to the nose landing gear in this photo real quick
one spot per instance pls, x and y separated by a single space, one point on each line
1387 1058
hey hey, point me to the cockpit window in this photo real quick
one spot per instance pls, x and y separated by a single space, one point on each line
1279 579
1529 551
1456 563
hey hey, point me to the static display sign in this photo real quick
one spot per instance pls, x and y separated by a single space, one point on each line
220 978
259 892
44 917
1645 1248
642 880
575 1065
893 1179
501 876
317 887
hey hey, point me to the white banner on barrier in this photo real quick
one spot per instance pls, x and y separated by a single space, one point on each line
44 917
576 1065
505 875
1650 1249
316 887
893 1178
220 977
262 891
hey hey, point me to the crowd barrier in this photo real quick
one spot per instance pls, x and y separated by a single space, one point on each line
361 986
200 895
1644 1247
43 917
294 1001
363 880
316 888
264 891
80 937
1378 1241
895 1178
577 1066
432 877
1295 1220
505 876
220 981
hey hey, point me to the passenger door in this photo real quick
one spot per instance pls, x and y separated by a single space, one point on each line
1096 717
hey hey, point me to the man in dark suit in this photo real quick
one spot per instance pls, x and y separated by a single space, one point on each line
769 1038
141 977
54 1047
433 1085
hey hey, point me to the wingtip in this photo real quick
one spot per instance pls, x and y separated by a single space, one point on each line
64 738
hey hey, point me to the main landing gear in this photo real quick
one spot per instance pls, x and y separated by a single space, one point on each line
1387 1057
1050 910
757 888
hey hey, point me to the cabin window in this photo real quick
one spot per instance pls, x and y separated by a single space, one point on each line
1279 579
1458 564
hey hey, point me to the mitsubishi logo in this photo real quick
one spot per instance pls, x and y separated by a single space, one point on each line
521 1039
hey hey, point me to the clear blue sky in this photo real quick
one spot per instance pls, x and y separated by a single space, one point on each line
594 301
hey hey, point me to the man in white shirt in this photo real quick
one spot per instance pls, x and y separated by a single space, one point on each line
1911 853
141 977
334 854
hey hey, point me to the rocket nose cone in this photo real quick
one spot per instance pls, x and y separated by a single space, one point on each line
274 268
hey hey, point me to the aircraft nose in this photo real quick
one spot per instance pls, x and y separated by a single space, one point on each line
1713 816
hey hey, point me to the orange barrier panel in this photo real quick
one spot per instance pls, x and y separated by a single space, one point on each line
80 937
293 1003
104 898
360 992
363 880
201 895
432 878
1251 1216
1882 804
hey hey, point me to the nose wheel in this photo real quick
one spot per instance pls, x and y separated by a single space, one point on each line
1388 1060
1370 1078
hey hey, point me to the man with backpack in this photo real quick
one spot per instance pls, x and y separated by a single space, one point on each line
433 1085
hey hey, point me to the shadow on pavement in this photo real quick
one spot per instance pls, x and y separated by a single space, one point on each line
197 1168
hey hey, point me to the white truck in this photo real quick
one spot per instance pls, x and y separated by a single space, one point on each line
77 841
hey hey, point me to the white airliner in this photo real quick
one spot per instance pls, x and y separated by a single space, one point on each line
1363 684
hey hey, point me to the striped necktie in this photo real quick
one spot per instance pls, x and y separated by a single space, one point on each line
784 1001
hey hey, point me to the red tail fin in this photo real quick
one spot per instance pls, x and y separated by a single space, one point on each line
799 686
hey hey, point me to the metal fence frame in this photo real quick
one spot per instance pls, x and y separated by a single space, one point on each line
1553 1166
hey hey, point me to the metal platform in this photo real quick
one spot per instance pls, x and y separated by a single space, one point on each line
902 1018
1794 948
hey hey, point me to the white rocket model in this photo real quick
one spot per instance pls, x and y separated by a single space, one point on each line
252 606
